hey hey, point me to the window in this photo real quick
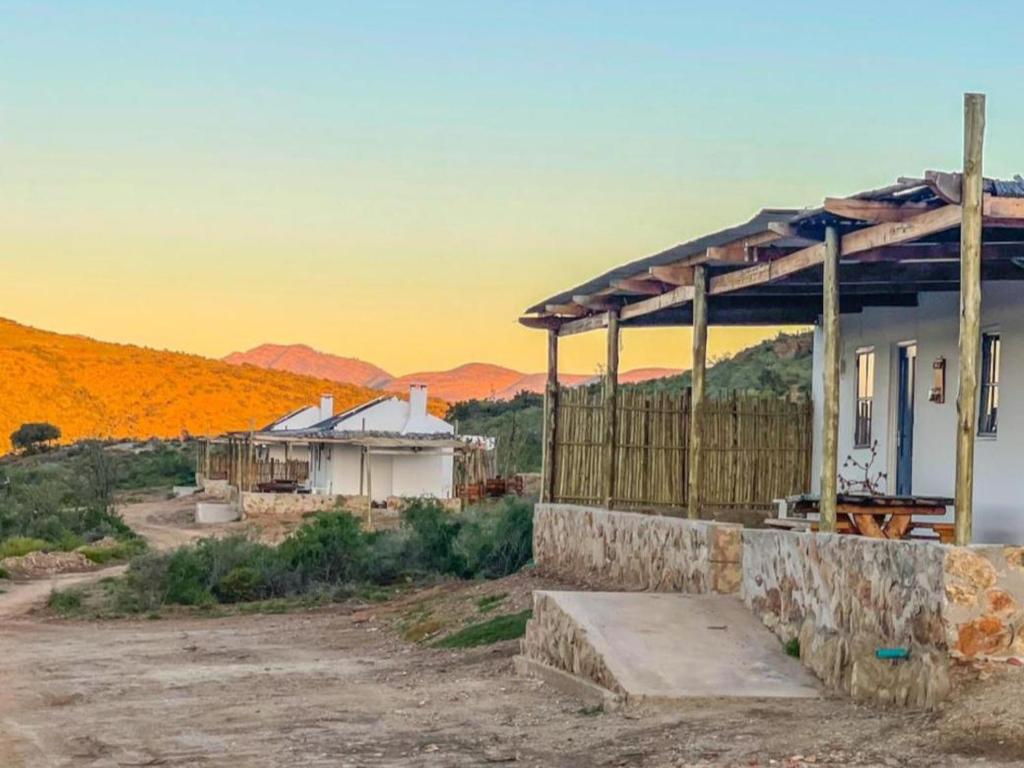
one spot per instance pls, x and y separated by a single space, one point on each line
988 410
865 371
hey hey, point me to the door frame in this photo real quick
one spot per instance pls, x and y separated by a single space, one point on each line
895 415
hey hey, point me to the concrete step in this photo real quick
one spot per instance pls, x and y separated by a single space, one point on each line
657 647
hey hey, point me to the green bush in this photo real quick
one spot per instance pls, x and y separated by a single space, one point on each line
329 548
432 533
18 546
66 601
241 584
122 550
496 540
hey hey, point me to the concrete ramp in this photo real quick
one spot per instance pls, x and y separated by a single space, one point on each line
653 647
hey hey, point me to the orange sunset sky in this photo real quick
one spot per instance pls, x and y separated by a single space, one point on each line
398 181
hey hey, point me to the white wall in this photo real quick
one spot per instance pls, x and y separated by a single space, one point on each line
934 325
393 474
393 415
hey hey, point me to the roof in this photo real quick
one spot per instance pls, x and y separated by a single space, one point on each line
359 438
289 415
339 417
759 223
897 241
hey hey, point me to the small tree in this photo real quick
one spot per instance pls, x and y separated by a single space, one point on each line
34 436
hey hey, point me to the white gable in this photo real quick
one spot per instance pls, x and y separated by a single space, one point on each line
392 415
300 419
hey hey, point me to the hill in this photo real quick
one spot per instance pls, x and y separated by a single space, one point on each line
302 359
91 388
777 367
471 381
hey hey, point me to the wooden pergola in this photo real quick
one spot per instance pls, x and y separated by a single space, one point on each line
939 232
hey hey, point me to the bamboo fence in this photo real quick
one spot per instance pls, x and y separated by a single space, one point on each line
756 449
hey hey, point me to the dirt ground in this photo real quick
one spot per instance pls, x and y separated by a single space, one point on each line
340 686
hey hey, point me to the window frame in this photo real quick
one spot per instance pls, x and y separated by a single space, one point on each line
860 439
988 383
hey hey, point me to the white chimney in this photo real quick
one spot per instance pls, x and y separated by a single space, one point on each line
417 402
326 406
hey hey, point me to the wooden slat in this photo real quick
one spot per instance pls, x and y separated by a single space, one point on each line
649 287
673 274
874 210
583 324
572 310
739 251
680 295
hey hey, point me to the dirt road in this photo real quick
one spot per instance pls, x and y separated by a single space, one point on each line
331 688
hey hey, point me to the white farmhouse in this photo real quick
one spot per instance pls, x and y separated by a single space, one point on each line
388 447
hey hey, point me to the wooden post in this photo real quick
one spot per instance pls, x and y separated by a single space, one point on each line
369 490
207 458
700 357
611 400
547 489
970 313
830 405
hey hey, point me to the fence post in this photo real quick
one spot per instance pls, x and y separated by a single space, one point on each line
700 349
830 428
970 312
611 399
547 488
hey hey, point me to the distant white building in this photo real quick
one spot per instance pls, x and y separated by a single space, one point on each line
386 448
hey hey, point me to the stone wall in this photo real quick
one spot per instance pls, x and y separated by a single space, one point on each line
284 505
218 489
844 597
629 551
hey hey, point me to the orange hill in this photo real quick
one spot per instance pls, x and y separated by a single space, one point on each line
91 388
466 382
299 358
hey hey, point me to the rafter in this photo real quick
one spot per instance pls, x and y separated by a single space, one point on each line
673 274
641 285
874 210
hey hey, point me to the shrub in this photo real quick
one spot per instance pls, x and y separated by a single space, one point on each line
330 547
241 584
122 550
66 601
195 575
497 539
432 532
22 545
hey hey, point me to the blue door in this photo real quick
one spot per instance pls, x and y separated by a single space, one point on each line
905 420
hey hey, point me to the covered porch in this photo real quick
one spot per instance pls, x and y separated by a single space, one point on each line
934 238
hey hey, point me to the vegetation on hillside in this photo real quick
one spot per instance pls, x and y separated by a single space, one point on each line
515 424
34 436
94 389
776 367
64 499
328 557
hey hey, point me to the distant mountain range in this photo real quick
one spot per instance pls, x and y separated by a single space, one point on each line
92 388
471 381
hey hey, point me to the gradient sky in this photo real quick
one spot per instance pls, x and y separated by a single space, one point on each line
397 181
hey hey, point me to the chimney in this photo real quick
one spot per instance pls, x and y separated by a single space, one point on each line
326 406
417 402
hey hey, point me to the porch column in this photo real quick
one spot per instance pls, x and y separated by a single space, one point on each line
700 355
970 313
611 399
547 486
830 425
207 458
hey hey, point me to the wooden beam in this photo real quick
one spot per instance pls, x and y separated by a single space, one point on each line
1002 209
541 322
673 274
830 427
547 487
739 251
583 324
591 302
681 295
572 310
639 285
945 185
611 400
869 238
970 313
874 210
700 354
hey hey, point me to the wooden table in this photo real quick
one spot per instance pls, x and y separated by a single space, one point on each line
880 516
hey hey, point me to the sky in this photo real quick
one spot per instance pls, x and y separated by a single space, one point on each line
399 181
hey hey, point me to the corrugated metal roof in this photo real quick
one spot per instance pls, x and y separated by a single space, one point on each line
759 223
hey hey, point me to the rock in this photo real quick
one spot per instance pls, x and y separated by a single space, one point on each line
983 636
969 571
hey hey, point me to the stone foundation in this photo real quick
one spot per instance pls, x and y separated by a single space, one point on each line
285 505
217 489
629 551
841 597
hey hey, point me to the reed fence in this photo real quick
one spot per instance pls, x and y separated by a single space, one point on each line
755 449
